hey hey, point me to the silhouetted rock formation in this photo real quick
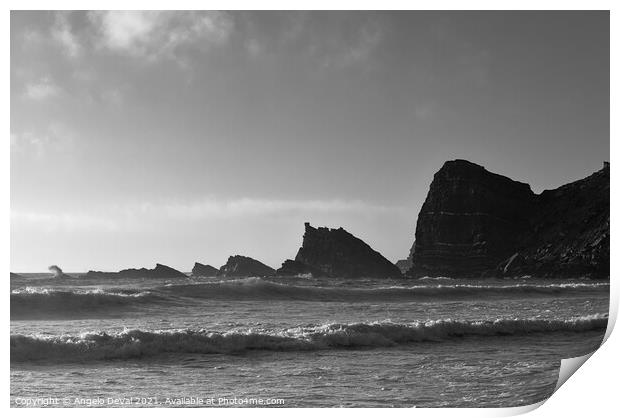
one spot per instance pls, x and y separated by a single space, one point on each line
204 270
240 266
337 253
476 223
297 268
569 232
405 264
469 221
159 272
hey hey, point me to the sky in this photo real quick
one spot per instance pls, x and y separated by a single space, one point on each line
176 137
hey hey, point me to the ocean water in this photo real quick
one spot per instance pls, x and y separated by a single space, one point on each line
297 342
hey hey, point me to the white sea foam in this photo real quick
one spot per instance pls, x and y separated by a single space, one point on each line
138 343
33 301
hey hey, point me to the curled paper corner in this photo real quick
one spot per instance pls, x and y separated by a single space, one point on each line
568 367
517 410
612 316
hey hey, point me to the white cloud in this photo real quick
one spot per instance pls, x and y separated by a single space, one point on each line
128 217
30 143
32 37
214 208
42 89
51 222
61 33
38 144
368 39
347 53
125 30
154 34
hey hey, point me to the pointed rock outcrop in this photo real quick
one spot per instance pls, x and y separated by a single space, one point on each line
204 270
297 268
241 266
337 253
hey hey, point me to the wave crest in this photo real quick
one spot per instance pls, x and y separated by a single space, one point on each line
138 343
32 301
256 288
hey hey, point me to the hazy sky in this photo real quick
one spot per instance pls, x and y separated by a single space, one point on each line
144 137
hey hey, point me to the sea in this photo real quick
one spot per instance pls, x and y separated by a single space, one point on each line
297 342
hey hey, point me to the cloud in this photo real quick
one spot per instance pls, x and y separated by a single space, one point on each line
38 144
156 34
52 222
125 30
41 90
368 39
32 37
217 209
212 209
357 50
30 143
63 35
253 47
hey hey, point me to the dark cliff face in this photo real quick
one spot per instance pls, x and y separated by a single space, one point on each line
469 221
297 268
404 265
475 223
240 266
568 234
337 253
159 272
204 270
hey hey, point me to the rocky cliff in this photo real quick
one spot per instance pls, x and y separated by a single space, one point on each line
337 253
405 264
240 266
568 234
297 268
159 272
476 223
204 270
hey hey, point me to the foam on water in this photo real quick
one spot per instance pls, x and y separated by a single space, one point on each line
41 301
138 343
32 301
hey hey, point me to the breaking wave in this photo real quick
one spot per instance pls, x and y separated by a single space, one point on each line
138 343
255 288
30 302
35 301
